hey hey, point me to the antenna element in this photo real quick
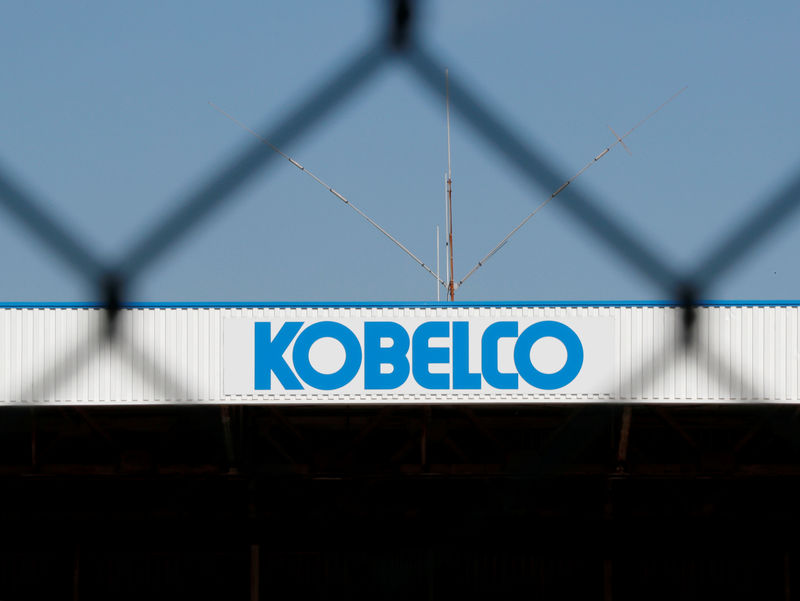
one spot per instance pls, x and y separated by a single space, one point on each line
332 191
561 188
451 284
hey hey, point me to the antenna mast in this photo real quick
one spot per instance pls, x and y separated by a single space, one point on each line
619 140
451 284
438 287
322 183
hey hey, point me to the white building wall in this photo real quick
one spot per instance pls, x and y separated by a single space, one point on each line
177 355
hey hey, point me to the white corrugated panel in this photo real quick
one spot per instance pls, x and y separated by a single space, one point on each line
207 355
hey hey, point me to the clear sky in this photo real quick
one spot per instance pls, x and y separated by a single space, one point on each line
105 120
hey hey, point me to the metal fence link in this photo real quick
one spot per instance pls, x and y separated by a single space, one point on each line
395 44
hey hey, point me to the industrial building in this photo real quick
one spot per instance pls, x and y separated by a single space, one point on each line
195 453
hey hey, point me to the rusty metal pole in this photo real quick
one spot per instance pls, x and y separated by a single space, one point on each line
624 436
787 577
255 567
76 573
451 284
607 580
227 434
34 458
426 420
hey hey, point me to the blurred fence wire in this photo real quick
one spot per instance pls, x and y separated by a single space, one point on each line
396 43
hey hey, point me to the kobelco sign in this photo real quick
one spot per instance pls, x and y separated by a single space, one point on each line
389 344
393 354
416 355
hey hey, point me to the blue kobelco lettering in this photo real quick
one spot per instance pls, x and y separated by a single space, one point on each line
375 355
522 355
491 373
270 355
423 355
352 355
462 378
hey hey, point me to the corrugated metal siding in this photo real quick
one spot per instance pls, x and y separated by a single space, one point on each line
175 355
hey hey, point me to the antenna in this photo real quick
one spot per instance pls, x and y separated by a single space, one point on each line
628 150
567 183
451 284
447 229
438 287
332 191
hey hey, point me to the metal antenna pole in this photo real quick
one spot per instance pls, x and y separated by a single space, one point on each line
451 284
438 288
447 229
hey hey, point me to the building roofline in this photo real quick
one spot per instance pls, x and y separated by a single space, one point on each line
410 305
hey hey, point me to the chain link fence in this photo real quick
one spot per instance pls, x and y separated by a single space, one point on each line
396 43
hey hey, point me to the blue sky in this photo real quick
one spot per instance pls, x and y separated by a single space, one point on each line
104 118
